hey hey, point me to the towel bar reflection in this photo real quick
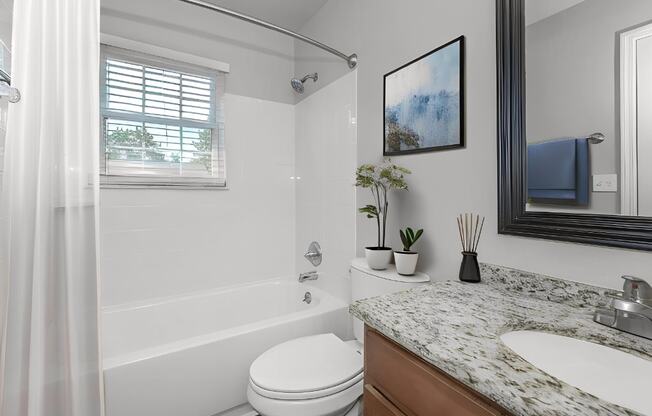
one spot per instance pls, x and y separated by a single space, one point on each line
596 138
6 90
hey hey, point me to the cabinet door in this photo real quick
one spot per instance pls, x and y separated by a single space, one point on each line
375 404
416 387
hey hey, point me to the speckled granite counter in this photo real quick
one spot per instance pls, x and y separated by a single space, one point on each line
456 327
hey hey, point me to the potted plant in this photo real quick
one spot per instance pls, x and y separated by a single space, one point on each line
380 179
406 260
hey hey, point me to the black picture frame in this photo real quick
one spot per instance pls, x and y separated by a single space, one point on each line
597 229
461 144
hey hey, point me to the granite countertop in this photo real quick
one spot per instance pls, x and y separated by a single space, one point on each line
456 327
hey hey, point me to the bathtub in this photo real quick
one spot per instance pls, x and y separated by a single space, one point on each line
190 355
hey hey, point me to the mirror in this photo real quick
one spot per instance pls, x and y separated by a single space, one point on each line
575 120
588 82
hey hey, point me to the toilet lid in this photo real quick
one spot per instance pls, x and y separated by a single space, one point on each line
306 364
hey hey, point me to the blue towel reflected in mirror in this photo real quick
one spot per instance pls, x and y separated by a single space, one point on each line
558 172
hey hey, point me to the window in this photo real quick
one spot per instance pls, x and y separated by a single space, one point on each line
161 122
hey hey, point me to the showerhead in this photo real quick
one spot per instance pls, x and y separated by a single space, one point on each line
297 84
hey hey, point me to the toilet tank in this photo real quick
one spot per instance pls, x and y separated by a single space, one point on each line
367 283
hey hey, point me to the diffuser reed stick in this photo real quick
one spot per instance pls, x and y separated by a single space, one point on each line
459 229
470 228
477 241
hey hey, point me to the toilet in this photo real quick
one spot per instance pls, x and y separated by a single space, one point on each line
322 375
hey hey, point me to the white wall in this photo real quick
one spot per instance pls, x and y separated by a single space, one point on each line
387 34
6 16
6 10
165 242
262 61
326 141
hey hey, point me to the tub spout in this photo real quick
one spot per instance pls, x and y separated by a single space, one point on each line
312 275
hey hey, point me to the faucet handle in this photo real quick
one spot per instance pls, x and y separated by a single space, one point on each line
637 290
314 254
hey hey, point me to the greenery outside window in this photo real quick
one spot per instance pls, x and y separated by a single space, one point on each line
161 122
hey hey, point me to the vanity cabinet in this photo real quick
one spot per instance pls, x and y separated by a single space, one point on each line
398 383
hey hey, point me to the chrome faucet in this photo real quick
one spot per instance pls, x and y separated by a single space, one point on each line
312 275
632 311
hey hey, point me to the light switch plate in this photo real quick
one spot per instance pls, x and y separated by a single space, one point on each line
605 183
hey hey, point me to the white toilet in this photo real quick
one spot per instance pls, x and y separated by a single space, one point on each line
321 375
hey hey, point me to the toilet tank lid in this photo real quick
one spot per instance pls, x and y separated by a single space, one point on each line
390 273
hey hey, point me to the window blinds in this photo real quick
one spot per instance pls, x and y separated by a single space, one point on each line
162 120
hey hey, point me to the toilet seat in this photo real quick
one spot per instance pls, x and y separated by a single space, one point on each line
306 367
315 375
313 394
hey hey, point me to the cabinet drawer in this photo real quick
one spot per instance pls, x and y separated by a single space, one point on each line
376 405
416 387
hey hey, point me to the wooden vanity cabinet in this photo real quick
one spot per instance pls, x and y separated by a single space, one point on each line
398 383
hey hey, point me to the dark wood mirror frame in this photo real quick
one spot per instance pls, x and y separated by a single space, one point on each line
606 230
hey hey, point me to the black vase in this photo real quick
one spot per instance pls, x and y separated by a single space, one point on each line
470 269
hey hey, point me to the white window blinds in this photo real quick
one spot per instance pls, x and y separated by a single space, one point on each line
162 121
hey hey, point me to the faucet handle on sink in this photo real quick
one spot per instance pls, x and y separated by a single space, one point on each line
637 290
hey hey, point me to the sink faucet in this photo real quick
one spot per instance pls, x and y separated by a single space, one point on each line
312 275
632 311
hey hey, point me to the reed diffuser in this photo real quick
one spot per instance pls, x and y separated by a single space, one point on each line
470 230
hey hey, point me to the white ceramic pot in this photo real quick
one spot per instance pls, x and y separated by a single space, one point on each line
406 262
378 258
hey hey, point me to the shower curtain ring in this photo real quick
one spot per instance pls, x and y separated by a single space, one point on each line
12 93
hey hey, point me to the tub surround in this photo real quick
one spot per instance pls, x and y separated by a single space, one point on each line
456 327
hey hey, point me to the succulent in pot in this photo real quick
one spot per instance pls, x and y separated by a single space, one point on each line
379 179
406 260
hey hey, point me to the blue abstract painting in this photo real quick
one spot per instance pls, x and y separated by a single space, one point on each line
424 102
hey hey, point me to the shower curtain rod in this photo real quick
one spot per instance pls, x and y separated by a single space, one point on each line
351 60
5 77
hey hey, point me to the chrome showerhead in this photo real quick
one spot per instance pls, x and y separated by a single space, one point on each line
297 84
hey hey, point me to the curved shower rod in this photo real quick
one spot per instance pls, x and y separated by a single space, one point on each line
351 60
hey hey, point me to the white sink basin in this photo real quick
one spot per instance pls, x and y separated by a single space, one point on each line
604 372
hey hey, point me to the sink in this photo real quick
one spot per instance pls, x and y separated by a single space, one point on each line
607 373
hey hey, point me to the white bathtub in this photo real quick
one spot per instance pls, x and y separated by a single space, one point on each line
190 355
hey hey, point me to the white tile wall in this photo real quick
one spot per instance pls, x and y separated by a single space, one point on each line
326 136
166 242
4 108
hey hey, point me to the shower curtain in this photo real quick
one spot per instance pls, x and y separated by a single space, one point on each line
50 363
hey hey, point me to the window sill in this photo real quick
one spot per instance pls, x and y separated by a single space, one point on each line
168 187
106 183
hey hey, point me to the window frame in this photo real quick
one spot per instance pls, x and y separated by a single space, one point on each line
216 125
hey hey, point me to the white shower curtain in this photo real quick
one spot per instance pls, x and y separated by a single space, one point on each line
50 363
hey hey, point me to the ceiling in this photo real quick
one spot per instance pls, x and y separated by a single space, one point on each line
536 10
290 14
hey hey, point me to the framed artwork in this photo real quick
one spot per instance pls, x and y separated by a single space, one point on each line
424 102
